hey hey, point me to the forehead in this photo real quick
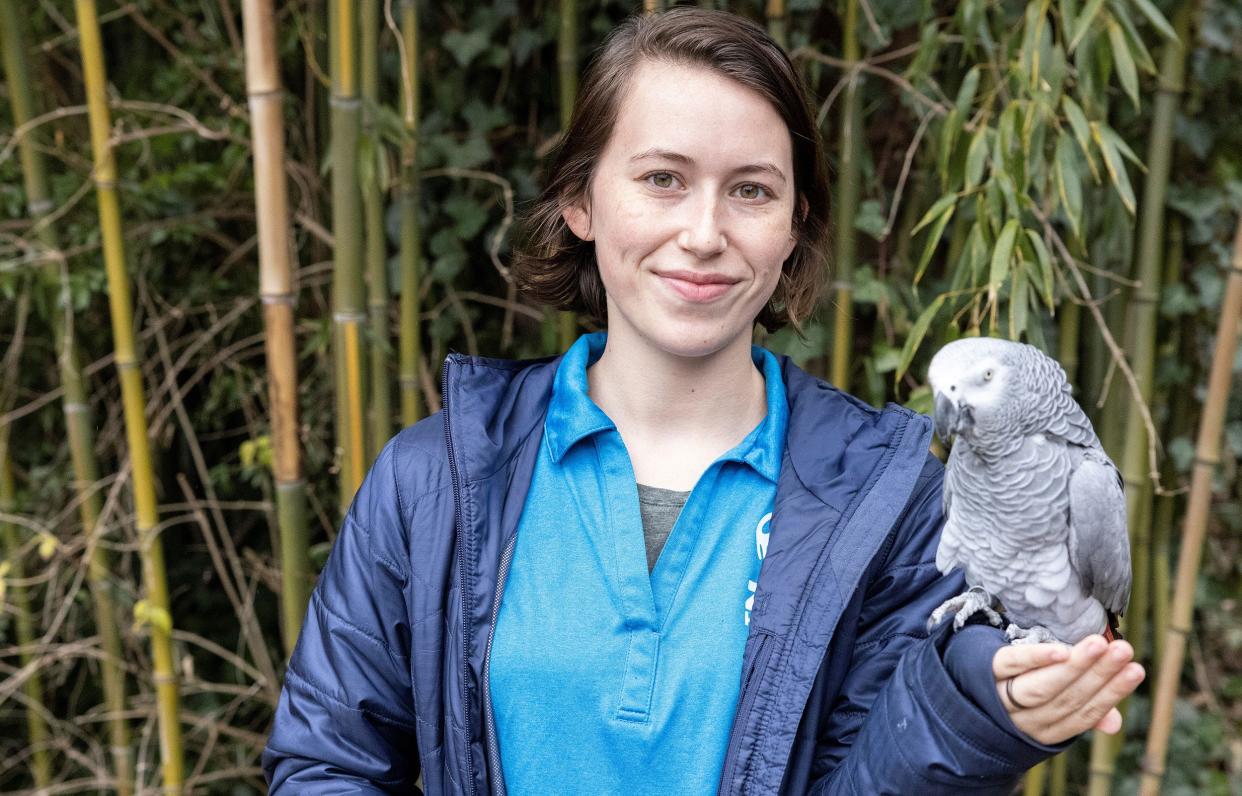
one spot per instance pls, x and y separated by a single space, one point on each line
700 113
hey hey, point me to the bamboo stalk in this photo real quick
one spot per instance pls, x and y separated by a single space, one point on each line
567 69
1198 505
347 285
847 204
278 294
19 605
79 428
130 373
411 235
1141 350
376 249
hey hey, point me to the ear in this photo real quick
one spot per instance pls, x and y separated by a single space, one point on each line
804 205
578 219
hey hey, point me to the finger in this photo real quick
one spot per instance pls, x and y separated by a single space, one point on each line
1110 724
1039 686
1090 683
1098 710
1014 659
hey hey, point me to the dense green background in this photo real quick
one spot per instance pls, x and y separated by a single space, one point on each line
1007 148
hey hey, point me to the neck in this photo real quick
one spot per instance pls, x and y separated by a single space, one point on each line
713 400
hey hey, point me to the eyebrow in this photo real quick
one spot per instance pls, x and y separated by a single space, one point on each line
665 154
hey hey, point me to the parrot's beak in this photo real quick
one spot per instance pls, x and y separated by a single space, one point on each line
950 418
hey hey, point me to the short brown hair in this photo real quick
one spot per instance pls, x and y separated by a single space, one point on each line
554 267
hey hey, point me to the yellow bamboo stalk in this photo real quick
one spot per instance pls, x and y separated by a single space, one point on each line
279 296
151 548
347 284
410 341
847 204
776 16
80 431
567 71
1198 505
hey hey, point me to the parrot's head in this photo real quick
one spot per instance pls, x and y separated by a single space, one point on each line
975 383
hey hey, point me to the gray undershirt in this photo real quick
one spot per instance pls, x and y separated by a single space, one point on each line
660 508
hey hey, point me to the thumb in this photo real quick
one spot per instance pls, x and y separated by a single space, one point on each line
1015 659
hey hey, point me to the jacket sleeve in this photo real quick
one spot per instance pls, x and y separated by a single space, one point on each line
920 714
345 720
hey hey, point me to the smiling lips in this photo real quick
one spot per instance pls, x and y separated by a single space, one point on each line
697 287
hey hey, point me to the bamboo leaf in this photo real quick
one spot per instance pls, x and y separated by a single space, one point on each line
1043 260
976 158
1083 23
1069 187
934 212
949 133
1082 130
1115 165
1001 256
1157 20
1069 11
1142 56
1018 302
932 241
1122 146
1127 73
917 333
966 94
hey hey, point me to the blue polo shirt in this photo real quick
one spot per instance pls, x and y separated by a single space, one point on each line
605 678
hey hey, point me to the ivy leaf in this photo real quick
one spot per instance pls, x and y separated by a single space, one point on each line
465 45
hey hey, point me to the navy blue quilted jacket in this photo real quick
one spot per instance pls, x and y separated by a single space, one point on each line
842 692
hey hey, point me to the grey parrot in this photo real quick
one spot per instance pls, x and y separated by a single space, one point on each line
1034 509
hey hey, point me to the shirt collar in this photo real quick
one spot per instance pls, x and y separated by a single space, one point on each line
573 416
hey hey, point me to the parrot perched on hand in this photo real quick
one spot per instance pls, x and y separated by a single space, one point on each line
1034 509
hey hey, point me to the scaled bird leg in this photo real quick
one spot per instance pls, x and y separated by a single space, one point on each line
1029 635
964 606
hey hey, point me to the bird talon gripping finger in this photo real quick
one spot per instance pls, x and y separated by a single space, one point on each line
1033 506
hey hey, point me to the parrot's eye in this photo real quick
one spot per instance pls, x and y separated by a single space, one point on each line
987 374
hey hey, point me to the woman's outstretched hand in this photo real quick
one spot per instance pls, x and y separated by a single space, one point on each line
1060 691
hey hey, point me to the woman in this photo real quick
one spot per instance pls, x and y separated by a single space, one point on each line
507 608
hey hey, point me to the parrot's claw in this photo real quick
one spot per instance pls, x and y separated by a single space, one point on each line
1029 635
964 606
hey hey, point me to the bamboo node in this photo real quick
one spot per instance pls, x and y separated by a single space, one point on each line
164 679
265 93
1181 631
345 103
347 316
1151 768
278 298
1210 461
75 407
408 381
39 206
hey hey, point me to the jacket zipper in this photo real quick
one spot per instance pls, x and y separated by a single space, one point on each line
747 700
465 581
493 748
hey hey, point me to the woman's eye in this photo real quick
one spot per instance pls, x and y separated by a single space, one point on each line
660 177
758 190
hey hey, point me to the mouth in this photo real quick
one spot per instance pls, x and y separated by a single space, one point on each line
697 287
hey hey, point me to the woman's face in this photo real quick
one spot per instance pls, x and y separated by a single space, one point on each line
696 182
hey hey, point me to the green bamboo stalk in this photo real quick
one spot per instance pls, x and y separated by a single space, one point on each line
411 235
1198 506
1057 785
278 294
567 70
1140 347
847 204
80 430
1178 421
347 285
1033 782
376 249
146 510
19 601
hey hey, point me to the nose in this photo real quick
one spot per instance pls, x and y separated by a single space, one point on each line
703 235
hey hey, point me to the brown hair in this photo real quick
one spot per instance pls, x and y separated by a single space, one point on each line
554 267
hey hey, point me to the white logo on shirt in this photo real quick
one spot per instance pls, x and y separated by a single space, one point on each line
761 549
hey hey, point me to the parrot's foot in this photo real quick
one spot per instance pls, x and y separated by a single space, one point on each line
1029 635
964 606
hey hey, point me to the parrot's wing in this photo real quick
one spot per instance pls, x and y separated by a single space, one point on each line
946 551
1067 421
1099 544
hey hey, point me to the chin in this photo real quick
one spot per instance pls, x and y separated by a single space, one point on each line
693 338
